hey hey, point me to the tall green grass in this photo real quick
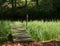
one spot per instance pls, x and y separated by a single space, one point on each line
41 31
5 30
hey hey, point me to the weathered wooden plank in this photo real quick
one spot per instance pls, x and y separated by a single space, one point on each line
17 26
21 30
22 40
20 35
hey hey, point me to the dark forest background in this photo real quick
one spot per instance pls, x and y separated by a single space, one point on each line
36 9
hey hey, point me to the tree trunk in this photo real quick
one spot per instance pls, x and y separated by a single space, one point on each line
26 3
12 1
15 3
1 7
37 2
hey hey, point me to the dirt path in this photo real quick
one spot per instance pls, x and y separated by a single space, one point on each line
49 43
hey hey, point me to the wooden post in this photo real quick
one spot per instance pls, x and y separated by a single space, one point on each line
26 21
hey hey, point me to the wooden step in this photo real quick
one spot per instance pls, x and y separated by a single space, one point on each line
19 29
20 34
23 40
16 26
21 37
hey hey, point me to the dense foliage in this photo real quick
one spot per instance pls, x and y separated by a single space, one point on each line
5 30
41 31
36 9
